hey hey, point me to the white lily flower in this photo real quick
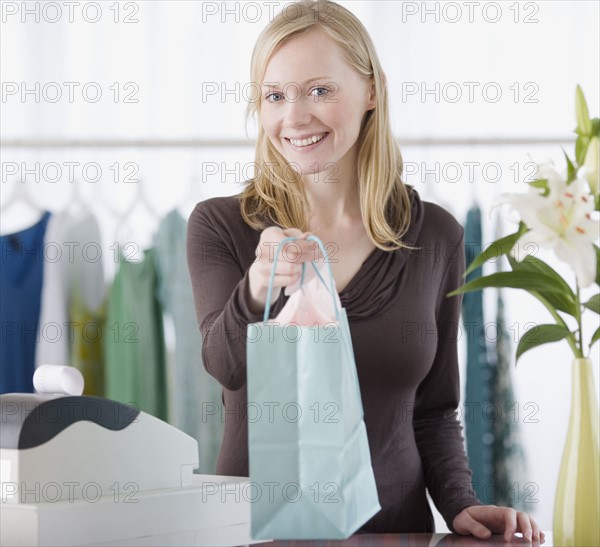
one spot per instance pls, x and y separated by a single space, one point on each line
561 221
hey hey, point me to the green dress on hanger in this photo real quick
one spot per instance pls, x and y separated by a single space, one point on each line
134 340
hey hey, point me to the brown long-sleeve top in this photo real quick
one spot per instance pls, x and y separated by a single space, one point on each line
404 334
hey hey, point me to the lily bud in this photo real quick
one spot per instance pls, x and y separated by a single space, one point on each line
590 165
584 124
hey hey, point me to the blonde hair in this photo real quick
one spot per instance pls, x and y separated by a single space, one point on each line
278 197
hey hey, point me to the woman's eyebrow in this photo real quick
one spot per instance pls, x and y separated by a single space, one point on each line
315 78
276 84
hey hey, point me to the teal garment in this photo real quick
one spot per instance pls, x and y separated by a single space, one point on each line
512 488
478 426
195 395
134 340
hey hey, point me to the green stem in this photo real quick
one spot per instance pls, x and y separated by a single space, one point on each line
559 320
578 318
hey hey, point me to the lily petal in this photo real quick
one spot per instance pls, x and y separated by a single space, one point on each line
581 256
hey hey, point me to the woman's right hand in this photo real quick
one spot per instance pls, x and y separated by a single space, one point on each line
289 263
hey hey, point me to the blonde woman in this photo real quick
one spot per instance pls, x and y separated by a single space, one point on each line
327 164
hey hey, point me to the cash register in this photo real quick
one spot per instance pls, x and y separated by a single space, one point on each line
82 470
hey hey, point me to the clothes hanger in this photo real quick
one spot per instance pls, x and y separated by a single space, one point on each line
20 211
192 195
148 205
77 205
189 200
88 284
20 195
124 218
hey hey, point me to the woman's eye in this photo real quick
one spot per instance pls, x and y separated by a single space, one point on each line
320 91
272 97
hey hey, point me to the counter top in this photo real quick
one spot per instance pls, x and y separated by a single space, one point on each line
411 540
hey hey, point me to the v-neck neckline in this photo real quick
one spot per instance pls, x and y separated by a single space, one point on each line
359 273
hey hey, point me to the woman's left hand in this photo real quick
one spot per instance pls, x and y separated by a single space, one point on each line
484 520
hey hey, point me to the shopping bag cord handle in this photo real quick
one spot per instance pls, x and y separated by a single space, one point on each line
331 287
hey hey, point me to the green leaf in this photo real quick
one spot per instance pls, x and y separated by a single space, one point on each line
571 169
596 126
581 145
595 337
597 249
540 183
497 248
529 281
593 303
540 334
564 299
584 124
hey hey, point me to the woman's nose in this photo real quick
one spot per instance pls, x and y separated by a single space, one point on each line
298 111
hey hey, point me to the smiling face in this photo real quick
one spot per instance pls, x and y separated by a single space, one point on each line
313 103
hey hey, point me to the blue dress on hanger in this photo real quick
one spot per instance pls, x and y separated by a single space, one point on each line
20 298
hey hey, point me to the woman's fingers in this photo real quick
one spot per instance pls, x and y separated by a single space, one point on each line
290 258
537 533
528 525
481 520
294 232
510 523
285 268
519 521
466 524
286 273
299 250
524 525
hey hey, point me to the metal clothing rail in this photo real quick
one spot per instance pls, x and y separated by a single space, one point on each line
241 143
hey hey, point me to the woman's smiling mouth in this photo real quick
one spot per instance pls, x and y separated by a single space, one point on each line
307 142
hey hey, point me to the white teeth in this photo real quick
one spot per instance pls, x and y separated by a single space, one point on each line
306 142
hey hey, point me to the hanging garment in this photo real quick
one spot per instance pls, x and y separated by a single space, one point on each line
478 427
133 338
195 394
73 294
507 452
87 302
53 337
508 456
87 271
87 348
20 299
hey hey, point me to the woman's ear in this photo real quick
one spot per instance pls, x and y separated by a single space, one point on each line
372 97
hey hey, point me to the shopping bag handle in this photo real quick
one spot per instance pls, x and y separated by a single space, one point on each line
331 288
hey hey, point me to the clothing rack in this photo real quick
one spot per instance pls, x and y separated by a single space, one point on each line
241 143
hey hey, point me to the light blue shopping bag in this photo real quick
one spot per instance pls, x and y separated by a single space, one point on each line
310 466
